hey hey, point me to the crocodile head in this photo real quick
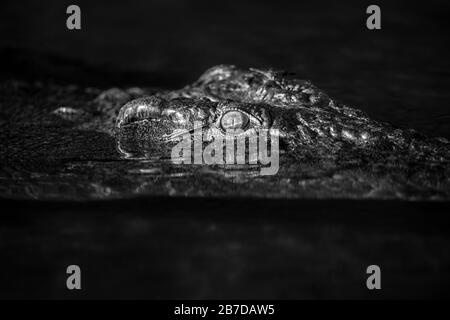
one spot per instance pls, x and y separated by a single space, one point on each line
309 123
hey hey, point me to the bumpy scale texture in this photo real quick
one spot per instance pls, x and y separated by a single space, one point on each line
312 126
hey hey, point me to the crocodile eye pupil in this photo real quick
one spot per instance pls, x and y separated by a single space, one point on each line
234 120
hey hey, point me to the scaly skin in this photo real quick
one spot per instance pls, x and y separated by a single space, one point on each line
312 126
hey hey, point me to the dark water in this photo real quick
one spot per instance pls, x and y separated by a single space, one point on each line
225 248
154 242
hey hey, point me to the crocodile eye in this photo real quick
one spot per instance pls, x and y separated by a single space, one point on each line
234 120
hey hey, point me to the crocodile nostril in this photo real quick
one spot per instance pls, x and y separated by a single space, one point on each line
234 120
139 109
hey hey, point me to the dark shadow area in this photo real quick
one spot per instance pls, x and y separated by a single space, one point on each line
29 65
166 248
